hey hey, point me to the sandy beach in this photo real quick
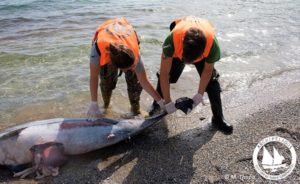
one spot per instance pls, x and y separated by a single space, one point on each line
185 149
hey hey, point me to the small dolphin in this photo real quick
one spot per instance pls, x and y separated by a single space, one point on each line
46 143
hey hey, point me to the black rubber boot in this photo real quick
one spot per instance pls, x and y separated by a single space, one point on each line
155 108
218 120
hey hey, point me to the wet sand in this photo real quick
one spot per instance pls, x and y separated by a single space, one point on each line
185 149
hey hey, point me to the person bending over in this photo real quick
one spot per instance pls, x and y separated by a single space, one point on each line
192 41
116 46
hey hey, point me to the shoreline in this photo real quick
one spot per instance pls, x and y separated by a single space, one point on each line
183 149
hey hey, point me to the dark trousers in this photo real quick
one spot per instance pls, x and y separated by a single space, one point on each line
213 88
108 82
177 69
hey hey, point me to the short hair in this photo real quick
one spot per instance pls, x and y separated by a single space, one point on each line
193 44
121 56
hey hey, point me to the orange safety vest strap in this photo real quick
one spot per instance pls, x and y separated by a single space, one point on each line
115 31
183 25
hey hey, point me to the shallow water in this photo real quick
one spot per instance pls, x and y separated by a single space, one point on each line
45 46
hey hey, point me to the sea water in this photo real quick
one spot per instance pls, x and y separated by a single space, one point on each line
44 48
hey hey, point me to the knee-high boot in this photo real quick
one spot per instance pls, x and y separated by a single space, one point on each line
218 120
155 108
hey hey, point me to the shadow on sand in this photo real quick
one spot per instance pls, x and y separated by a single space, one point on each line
153 158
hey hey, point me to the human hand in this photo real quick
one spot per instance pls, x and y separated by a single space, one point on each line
198 98
93 111
161 103
170 108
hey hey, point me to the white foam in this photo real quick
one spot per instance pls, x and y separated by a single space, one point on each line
223 39
233 35
263 31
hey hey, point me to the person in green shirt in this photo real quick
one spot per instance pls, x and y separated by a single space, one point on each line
192 41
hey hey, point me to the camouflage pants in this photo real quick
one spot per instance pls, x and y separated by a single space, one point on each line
108 82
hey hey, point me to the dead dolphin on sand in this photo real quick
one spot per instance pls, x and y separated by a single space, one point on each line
46 143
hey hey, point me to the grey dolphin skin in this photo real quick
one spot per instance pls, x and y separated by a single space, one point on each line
46 143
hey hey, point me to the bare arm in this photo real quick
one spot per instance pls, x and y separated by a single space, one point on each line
147 86
94 79
205 77
165 67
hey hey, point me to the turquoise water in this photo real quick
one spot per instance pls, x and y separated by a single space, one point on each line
44 46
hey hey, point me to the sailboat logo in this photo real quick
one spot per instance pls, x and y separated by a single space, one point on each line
274 166
272 163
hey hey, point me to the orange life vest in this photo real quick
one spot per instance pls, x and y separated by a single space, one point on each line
117 31
183 25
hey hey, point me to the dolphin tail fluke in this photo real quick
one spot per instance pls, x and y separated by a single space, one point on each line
153 119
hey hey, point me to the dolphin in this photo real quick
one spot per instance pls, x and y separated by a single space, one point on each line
45 144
